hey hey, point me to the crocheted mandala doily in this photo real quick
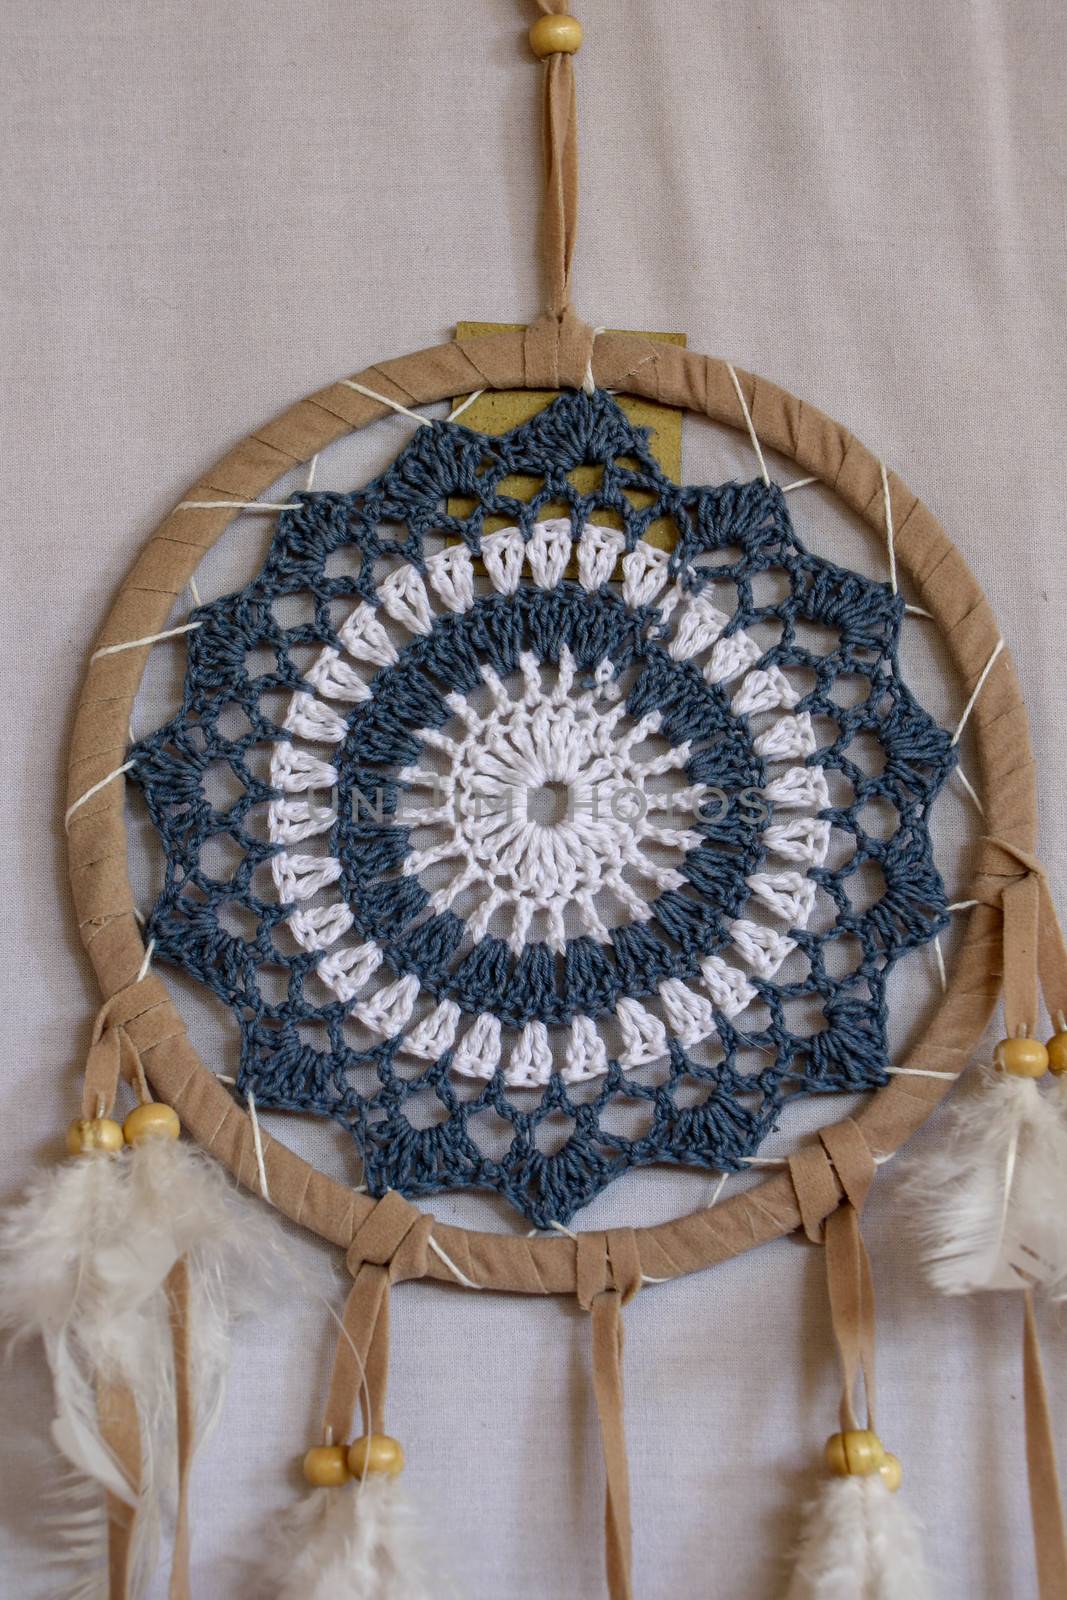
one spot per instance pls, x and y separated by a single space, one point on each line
483 836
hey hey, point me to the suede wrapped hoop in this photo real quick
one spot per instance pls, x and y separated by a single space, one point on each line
553 353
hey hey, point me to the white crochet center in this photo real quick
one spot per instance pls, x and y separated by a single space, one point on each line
614 843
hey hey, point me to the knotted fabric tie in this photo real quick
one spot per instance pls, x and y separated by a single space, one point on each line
388 1247
609 1275
842 1161
1035 953
112 1051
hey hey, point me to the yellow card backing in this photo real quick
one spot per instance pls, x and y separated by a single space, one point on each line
498 411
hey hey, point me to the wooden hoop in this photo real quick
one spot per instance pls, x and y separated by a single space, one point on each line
550 355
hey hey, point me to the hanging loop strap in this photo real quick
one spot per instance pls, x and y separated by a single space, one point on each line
559 132
1035 951
609 1275
388 1247
832 1180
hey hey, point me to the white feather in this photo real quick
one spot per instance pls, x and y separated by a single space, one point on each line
84 1262
860 1542
69 1275
358 1542
991 1204
237 1257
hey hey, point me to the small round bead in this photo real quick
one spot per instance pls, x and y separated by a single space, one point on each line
555 36
1023 1058
1057 1054
854 1454
891 1472
375 1452
151 1121
325 1466
93 1133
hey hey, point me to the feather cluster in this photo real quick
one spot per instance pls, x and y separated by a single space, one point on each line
84 1263
357 1542
860 1542
990 1203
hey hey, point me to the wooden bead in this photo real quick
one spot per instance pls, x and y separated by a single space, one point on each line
891 1472
93 1133
1057 1054
1023 1058
854 1454
555 36
151 1121
375 1452
325 1466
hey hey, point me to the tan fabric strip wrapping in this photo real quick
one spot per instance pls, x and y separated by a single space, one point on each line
1046 1505
608 1273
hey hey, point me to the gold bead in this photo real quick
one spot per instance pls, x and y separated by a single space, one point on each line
151 1121
1057 1054
93 1133
891 1472
854 1454
555 36
375 1452
1023 1058
325 1466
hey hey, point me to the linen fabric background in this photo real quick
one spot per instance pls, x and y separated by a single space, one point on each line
213 209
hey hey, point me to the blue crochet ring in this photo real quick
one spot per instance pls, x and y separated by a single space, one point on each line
544 828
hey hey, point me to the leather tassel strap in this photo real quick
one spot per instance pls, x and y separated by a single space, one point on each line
121 1428
609 1275
842 1160
1035 966
388 1247
177 1287
1046 1505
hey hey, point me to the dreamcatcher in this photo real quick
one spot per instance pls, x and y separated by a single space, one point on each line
522 784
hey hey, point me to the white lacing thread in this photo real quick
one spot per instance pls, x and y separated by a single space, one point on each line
460 1277
194 592
391 405
939 957
799 483
588 382
309 481
142 971
257 1141
976 691
889 535
149 638
719 1187
457 411
748 424
269 506
919 1072
95 789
